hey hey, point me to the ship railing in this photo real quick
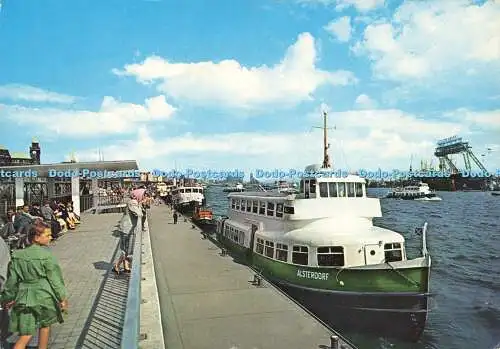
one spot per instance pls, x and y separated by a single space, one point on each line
423 231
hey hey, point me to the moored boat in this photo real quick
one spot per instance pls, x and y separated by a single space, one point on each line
321 247
203 217
187 198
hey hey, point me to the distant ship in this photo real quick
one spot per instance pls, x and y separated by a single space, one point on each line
420 192
237 188
458 180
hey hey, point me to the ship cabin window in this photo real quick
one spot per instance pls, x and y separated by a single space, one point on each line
359 190
181 190
323 190
332 190
312 186
341 190
331 256
269 249
279 210
282 252
259 247
262 209
393 252
300 255
233 203
255 206
350 190
249 206
270 209
289 209
237 204
188 190
243 205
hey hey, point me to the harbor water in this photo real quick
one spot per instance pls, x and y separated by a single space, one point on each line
464 241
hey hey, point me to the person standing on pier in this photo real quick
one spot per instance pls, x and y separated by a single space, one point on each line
134 213
175 217
35 289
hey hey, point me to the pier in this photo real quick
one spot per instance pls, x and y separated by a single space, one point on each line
210 301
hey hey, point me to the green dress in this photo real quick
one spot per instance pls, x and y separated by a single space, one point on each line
36 284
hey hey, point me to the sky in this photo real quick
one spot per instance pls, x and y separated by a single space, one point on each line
242 84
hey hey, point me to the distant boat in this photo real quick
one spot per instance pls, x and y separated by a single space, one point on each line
420 192
495 194
237 188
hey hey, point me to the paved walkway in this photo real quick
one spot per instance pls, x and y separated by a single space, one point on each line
97 298
208 300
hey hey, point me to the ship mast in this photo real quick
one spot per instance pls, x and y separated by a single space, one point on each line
326 159
326 145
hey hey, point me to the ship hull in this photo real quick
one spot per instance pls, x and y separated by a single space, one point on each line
457 183
186 207
205 224
388 315
386 302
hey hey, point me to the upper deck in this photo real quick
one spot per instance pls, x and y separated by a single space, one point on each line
318 198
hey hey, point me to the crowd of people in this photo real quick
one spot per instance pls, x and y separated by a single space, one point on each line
58 215
33 295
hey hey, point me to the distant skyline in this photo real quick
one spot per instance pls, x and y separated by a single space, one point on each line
240 84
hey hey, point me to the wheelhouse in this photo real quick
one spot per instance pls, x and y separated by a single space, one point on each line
349 187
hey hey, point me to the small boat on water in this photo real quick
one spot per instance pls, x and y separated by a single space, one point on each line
203 217
419 192
236 189
495 194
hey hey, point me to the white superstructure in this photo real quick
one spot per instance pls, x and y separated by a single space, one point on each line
183 195
334 212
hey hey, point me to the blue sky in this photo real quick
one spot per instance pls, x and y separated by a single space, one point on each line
239 84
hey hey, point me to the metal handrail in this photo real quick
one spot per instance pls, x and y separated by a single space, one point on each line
131 324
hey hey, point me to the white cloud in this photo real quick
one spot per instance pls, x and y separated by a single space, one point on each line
365 102
360 5
112 117
424 38
367 138
19 92
230 84
489 119
340 28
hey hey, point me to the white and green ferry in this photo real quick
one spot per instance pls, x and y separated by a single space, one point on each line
321 247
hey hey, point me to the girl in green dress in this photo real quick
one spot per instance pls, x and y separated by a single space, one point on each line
35 289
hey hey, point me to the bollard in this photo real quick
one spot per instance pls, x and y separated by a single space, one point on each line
257 280
334 342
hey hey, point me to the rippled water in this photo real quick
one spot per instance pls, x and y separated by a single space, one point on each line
464 241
